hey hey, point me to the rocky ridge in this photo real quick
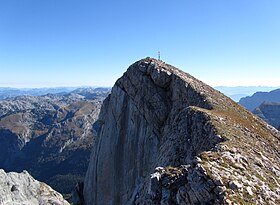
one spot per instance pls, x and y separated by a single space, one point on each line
22 188
168 138
51 136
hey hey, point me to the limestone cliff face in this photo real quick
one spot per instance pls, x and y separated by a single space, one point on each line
168 138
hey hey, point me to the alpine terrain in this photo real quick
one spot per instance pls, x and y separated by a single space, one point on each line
50 136
167 138
270 112
254 101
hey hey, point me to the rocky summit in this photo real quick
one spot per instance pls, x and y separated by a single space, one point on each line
22 188
168 138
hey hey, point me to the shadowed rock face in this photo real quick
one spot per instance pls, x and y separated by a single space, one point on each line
167 138
270 112
254 101
22 188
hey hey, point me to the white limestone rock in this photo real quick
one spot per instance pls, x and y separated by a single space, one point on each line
23 189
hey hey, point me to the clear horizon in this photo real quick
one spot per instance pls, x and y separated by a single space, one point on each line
73 43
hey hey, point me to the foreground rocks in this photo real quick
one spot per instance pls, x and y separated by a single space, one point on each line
182 185
22 188
168 138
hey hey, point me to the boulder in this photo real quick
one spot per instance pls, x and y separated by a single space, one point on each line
22 188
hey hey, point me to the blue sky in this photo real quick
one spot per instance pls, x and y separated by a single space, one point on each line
46 43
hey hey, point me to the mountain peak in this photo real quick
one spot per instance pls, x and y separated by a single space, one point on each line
199 146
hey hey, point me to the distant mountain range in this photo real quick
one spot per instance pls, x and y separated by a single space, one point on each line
266 105
238 92
7 92
50 136
235 93
252 102
270 112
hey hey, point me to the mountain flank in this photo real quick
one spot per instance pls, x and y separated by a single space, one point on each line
270 112
252 102
265 105
167 138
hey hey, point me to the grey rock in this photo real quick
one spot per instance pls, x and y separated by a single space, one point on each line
249 191
77 194
160 76
234 185
22 188
275 171
159 116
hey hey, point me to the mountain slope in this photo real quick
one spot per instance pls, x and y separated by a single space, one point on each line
252 102
168 138
50 136
270 112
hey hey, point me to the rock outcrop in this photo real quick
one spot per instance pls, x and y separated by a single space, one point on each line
270 112
168 138
254 101
50 136
22 188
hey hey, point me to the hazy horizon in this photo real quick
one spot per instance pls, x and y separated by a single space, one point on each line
235 93
32 86
98 86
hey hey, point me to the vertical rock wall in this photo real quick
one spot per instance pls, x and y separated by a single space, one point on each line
143 127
